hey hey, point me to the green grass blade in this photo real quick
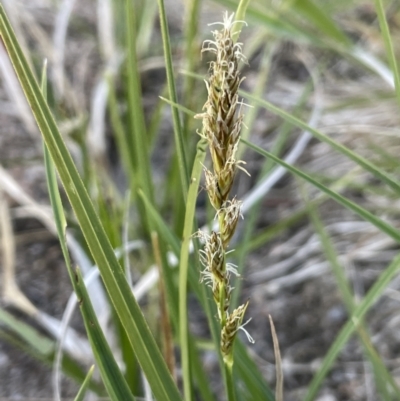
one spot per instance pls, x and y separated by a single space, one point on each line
42 348
240 16
82 391
295 218
179 141
165 232
348 329
169 238
382 375
29 334
365 214
382 175
113 378
388 45
145 29
184 265
191 57
322 21
246 368
117 287
60 219
277 148
248 372
271 22
119 131
138 140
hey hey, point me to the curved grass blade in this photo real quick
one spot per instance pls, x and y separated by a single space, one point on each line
365 214
348 329
377 172
389 46
322 21
114 279
82 391
240 17
278 26
34 343
179 142
382 375
113 379
247 371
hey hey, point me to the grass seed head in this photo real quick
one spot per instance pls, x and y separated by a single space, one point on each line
233 323
222 123
222 120
230 213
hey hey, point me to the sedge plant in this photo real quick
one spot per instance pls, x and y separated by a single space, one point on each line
222 123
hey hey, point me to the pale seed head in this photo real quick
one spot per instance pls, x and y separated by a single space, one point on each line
213 256
212 189
231 213
233 323
221 121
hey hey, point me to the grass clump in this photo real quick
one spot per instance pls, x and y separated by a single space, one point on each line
101 235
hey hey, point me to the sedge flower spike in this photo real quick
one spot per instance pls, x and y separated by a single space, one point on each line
222 123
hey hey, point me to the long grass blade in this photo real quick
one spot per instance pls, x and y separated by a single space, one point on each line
373 294
388 45
138 139
382 375
82 391
365 214
274 23
322 22
395 185
247 371
169 238
179 141
183 265
114 279
112 376
240 16
41 348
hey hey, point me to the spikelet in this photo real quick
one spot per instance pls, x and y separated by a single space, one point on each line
229 331
222 122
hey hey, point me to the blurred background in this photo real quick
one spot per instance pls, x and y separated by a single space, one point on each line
323 62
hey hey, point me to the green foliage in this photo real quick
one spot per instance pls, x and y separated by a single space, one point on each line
167 207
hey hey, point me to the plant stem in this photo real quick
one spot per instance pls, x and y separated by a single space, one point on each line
229 382
183 268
